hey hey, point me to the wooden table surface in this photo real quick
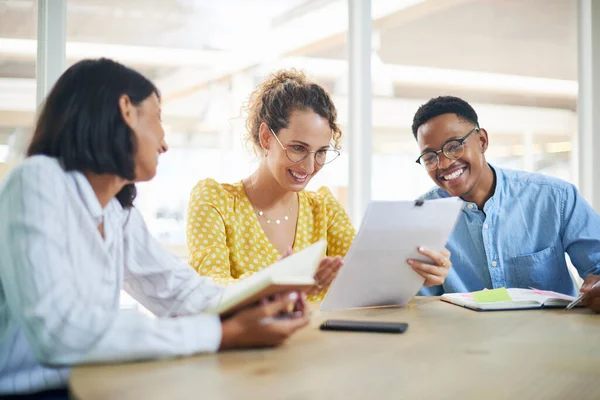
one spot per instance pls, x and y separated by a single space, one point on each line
447 353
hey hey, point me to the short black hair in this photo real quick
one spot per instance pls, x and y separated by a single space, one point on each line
81 124
444 105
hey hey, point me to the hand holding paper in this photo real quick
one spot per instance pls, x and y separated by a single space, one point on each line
326 273
375 271
435 271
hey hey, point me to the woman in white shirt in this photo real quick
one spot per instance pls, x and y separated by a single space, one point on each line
70 240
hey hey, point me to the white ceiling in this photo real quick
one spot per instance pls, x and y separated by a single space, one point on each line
528 38
520 37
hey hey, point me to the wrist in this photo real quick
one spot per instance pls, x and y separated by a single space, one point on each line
231 332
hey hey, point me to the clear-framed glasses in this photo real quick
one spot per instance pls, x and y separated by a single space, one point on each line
453 149
296 153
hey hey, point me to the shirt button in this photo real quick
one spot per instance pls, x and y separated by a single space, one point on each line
485 226
494 263
470 206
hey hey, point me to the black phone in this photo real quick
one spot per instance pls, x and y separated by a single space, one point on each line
363 326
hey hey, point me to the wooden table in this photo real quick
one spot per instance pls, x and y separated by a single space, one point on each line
447 353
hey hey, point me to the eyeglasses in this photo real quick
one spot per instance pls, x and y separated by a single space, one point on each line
453 149
297 153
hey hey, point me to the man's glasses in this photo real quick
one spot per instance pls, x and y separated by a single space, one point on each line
453 149
296 153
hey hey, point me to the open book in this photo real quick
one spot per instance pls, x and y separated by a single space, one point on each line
509 299
293 273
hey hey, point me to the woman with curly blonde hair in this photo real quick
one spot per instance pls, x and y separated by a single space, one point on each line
235 230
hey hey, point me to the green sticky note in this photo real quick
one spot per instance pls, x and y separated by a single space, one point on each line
491 296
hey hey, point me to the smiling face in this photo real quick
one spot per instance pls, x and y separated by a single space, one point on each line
457 177
144 120
306 130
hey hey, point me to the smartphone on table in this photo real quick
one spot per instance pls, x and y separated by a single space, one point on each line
363 326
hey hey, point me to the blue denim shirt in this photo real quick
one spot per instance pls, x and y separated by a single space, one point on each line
520 238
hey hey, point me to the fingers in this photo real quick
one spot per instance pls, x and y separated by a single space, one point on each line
287 326
593 291
277 332
433 275
328 270
329 267
446 253
436 273
286 253
267 324
277 329
301 305
315 290
283 304
591 299
438 258
589 282
592 302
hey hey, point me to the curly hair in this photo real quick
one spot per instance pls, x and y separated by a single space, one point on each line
283 92
444 105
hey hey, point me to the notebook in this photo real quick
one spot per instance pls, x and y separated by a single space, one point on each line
293 273
508 299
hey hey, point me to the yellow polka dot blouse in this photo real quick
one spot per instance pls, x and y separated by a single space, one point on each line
226 241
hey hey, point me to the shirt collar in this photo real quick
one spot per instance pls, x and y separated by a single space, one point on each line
88 196
498 190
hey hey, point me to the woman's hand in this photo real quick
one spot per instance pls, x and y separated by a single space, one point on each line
267 324
326 273
435 271
286 253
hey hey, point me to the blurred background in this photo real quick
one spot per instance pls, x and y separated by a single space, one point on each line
515 61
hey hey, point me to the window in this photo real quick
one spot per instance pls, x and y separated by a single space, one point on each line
206 59
17 77
518 72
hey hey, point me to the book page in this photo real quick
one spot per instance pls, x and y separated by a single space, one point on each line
519 301
540 296
299 268
375 272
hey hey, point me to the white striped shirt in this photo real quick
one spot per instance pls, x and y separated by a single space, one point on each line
60 283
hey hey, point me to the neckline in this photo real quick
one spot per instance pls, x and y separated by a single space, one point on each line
258 225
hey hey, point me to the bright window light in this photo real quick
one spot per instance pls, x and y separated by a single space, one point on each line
3 152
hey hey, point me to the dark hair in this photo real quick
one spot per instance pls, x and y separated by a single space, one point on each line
81 124
444 105
285 91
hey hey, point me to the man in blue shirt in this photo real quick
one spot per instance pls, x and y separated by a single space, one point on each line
515 226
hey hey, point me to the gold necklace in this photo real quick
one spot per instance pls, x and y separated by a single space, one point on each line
262 214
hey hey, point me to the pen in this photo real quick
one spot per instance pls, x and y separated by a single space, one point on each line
580 297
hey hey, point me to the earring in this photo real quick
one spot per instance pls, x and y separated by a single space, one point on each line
266 153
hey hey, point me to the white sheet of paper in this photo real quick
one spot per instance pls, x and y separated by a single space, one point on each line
375 272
